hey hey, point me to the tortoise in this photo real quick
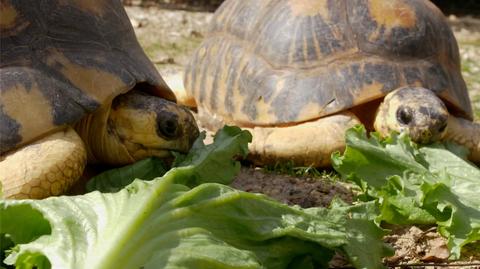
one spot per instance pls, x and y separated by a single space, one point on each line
298 73
76 85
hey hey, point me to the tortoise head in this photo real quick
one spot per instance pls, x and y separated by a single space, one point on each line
415 110
148 125
135 126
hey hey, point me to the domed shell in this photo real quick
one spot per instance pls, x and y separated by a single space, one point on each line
286 61
63 59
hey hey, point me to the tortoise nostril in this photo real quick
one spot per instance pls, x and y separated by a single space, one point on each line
168 128
404 115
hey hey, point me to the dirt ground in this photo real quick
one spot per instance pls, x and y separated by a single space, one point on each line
170 36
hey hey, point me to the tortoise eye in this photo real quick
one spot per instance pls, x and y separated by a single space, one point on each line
168 127
404 115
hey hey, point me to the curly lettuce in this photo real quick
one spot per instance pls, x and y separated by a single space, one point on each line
415 185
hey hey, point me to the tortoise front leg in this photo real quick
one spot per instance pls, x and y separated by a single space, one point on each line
305 144
46 167
466 133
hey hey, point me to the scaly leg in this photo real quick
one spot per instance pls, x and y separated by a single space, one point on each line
305 144
48 166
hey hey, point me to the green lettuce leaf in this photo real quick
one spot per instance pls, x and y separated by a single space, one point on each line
115 179
361 231
215 162
161 224
415 185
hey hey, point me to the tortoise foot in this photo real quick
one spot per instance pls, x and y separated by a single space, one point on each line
44 168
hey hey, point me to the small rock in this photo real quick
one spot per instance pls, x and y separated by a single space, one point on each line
196 34
415 232
139 22
164 60
437 251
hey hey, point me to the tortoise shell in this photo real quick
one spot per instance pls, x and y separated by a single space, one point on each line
277 62
63 59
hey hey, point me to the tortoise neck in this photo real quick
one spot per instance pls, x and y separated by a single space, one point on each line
102 142
465 133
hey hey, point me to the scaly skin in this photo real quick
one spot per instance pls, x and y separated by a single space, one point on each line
44 168
308 143
414 110
305 144
466 133
423 115
136 126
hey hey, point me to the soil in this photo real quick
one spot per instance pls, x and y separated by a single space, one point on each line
170 36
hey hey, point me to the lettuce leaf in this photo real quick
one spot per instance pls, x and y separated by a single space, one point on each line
215 162
415 185
115 179
160 224
163 223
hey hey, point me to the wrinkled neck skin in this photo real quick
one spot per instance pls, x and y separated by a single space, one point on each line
103 144
465 133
